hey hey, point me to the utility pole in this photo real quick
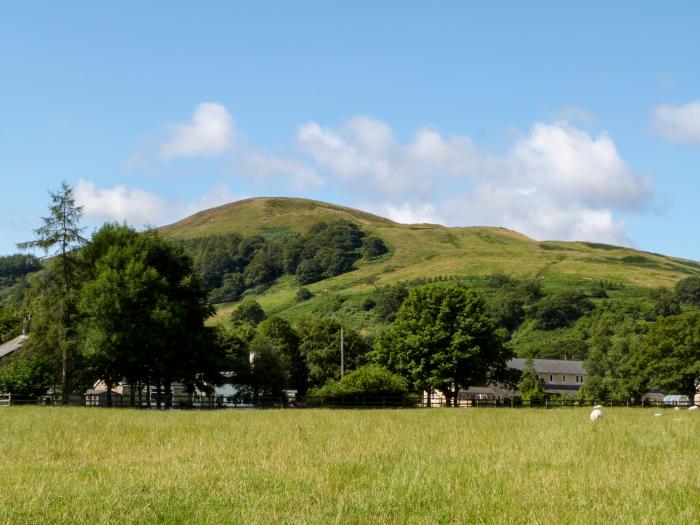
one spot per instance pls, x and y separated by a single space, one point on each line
342 355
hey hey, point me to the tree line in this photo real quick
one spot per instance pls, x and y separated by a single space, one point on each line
131 306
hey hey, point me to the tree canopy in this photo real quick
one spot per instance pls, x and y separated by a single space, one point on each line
669 356
443 339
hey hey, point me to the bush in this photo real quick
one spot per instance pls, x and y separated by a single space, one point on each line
389 300
688 290
373 247
27 374
369 381
367 304
303 294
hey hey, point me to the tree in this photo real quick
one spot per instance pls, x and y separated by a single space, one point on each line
287 341
248 312
443 339
320 347
143 310
688 290
389 300
531 385
669 357
10 322
269 370
613 347
60 235
28 373
560 310
309 271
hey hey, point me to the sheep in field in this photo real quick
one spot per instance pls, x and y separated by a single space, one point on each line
694 407
598 407
596 414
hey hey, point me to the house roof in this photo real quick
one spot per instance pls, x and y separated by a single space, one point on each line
550 366
11 345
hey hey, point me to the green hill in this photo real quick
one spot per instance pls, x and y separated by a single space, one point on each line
428 252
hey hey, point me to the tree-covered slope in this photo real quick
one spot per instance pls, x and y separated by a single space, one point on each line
499 262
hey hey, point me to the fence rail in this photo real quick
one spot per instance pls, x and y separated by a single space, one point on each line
204 402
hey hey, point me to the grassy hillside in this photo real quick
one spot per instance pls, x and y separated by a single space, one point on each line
421 252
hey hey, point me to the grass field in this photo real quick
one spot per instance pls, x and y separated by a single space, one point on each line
314 466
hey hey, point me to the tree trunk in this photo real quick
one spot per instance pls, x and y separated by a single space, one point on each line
159 392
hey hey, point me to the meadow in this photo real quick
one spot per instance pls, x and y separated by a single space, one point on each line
320 466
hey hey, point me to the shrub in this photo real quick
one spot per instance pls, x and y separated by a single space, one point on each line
368 303
303 294
373 247
366 382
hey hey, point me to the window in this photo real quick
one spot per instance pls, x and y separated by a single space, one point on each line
550 378
563 379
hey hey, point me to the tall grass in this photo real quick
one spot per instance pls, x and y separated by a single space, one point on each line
315 466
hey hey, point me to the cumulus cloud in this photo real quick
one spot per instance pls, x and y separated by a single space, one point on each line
557 182
407 212
679 124
120 203
209 132
139 207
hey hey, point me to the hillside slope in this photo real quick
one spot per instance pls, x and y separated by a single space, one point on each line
429 250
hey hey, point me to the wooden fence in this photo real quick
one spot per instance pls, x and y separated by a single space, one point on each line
203 402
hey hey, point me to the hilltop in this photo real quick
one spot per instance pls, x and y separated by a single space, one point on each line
431 250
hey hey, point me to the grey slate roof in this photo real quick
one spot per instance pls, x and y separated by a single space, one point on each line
550 366
11 345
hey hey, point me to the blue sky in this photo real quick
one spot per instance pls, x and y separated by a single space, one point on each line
560 120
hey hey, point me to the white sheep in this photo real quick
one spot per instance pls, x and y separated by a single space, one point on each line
596 414
694 407
598 407
657 414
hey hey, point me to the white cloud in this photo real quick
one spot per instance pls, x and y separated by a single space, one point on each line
557 182
120 203
298 174
407 212
680 124
209 132
574 166
138 208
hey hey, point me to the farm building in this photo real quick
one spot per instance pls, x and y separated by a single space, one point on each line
561 377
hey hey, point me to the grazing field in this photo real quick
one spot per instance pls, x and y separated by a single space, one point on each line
320 466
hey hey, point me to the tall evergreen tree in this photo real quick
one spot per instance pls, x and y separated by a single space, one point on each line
59 236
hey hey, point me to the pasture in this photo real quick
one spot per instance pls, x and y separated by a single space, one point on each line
80 465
